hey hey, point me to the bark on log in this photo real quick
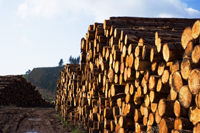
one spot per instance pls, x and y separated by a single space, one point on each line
183 123
179 110
172 51
165 108
166 125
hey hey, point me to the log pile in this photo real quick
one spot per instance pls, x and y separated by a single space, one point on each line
136 75
17 91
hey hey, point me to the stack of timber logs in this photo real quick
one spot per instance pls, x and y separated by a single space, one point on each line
136 75
16 90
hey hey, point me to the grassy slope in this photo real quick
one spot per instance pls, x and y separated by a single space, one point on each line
46 80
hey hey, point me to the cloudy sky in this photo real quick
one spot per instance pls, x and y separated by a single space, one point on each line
38 33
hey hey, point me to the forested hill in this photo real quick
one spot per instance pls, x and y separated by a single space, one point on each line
45 77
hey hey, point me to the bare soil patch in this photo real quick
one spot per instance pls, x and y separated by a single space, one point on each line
30 120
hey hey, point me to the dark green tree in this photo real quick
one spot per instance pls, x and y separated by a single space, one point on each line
60 62
27 72
74 60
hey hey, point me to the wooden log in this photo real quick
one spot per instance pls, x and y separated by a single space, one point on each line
137 83
155 96
161 68
160 41
137 99
172 51
175 66
126 122
181 131
196 128
147 111
112 125
188 50
131 91
162 88
124 51
196 54
165 76
153 82
186 67
107 123
165 108
194 81
137 116
117 55
119 102
128 39
157 117
126 90
147 100
108 113
129 110
196 29
117 119
154 107
141 65
146 49
129 98
197 100
130 74
117 128
131 48
185 97
179 110
166 125
140 92
145 120
155 56
183 123
116 111
186 37
177 81
117 89
119 95
131 61
139 128
194 115
138 51
151 119
122 67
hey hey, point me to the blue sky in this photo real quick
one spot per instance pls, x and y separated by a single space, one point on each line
38 33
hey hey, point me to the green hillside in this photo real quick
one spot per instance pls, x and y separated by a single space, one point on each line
45 77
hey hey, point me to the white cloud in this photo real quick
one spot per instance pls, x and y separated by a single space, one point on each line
103 9
24 41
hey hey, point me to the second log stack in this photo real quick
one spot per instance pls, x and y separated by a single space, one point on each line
136 75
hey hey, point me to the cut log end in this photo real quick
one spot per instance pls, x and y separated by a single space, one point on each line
196 54
185 96
166 52
186 37
196 29
177 81
194 81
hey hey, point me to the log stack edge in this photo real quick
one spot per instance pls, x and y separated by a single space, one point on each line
136 75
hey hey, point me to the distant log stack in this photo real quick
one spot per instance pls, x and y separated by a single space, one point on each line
136 75
17 91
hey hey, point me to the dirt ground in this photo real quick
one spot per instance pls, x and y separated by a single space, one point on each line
30 120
